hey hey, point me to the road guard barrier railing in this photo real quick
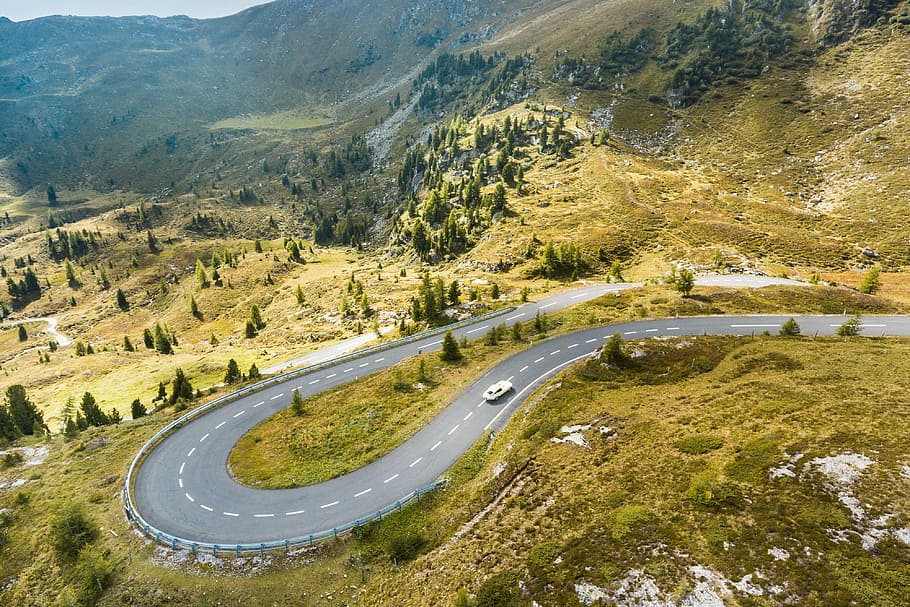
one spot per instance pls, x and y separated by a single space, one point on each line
166 539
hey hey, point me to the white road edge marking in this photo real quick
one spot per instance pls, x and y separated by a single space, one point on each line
364 492
433 448
454 429
390 479
415 462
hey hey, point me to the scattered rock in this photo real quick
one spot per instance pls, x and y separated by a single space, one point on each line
779 554
96 443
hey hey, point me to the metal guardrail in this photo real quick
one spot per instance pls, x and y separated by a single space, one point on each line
163 538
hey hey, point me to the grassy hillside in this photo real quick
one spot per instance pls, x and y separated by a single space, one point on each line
735 477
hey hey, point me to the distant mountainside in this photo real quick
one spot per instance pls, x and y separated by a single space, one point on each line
81 97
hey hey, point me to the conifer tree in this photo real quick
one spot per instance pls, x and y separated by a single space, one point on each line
450 351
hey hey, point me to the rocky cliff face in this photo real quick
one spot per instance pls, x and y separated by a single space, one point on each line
834 21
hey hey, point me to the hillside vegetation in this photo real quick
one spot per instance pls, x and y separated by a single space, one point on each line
196 202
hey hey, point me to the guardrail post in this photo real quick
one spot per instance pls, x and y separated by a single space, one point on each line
214 549
398 504
194 548
261 549
238 550
335 531
287 546
158 538
311 540
174 544
417 494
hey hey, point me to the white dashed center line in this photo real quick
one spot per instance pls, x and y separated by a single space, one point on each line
180 482
626 333
577 296
219 425
468 415
523 369
415 462
364 492
555 352
364 365
435 343
516 316
259 404
651 330
192 451
239 414
277 396
348 370
760 326
295 513
379 360
590 341
672 328
572 346
331 376
390 479
539 359
547 306
202 440
477 329
263 515
189 497
315 381
206 508
433 448
182 466
454 429
329 505
230 514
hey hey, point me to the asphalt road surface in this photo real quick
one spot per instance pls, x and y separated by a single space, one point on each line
183 487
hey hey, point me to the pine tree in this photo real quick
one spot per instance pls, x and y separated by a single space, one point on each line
148 339
94 416
23 334
450 351
256 317
25 415
253 372
201 277
790 328
685 281
297 402
137 409
194 307
250 330
162 342
232 375
299 295
152 242
613 353
494 291
122 303
127 344
181 389
871 281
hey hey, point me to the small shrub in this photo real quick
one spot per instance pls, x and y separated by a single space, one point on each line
790 328
405 546
500 590
13 458
71 530
709 491
850 327
698 444
94 574
628 519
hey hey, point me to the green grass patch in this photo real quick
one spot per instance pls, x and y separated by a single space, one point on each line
347 427
699 444
280 121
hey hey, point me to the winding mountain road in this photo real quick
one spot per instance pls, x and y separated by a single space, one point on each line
183 486
60 338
